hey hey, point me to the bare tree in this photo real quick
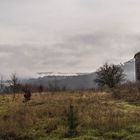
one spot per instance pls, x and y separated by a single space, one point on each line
1 83
14 84
110 75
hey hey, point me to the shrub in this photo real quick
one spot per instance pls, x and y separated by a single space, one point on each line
72 122
27 93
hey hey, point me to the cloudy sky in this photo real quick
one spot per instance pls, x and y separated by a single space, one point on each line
66 35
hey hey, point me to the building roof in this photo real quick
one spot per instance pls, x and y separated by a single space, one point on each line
137 54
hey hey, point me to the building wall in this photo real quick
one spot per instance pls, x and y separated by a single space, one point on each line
137 64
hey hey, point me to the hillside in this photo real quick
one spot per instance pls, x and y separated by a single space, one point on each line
78 81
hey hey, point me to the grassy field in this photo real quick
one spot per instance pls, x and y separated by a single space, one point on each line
99 116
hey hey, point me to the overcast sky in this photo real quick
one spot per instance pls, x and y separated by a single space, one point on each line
66 35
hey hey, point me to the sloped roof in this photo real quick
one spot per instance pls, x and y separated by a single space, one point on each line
137 54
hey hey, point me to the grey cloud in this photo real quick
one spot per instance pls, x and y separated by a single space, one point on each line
66 36
76 53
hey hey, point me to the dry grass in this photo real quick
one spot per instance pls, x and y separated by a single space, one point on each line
129 92
45 114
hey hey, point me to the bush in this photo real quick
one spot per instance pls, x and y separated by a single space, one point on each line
72 122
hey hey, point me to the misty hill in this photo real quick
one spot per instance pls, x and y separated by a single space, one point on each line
85 81
78 81
129 70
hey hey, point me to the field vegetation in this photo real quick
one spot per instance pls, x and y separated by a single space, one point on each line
109 114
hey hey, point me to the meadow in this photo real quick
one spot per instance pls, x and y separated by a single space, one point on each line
99 115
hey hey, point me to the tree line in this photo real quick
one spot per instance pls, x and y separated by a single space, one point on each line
109 75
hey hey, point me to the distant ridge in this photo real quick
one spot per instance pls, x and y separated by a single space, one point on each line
77 80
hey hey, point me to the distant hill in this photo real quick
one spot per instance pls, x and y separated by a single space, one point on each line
78 80
85 81
129 70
